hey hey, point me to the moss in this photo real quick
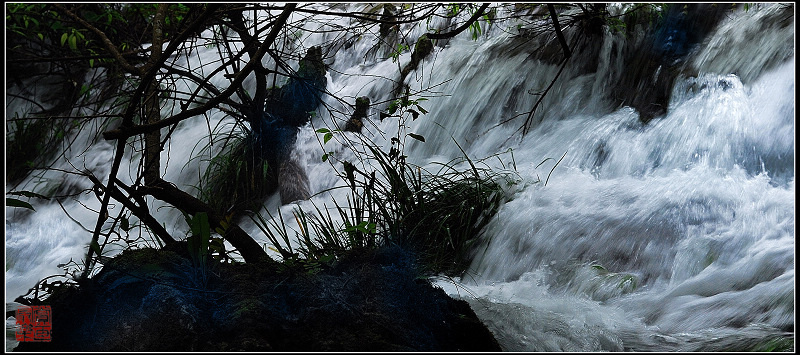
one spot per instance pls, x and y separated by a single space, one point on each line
782 344
312 66
247 308
768 344
423 47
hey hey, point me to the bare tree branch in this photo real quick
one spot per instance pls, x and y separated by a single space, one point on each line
125 132
250 249
139 210
559 35
527 123
127 120
463 27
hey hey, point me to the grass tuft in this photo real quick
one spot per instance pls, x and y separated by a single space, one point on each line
439 215
237 179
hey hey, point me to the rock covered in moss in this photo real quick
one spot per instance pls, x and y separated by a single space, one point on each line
154 300
389 14
422 48
356 121
274 132
293 103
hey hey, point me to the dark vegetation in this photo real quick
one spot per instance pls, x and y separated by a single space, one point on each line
431 222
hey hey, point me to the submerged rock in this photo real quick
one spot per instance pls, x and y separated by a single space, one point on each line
155 300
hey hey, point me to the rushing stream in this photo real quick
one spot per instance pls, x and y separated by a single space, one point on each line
675 235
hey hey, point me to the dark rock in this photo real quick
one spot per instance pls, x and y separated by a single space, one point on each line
273 139
290 107
388 15
369 300
356 121
654 65
423 47
301 95
653 56
274 131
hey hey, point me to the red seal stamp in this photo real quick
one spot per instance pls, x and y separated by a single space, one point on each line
35 323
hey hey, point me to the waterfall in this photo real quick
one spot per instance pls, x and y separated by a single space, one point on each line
674 235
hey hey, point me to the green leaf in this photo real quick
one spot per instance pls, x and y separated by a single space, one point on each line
226 222
12 202
628 280
417 137
91 63
64 38
325 157
41 36
204 239
73 42
200 225
124 224
372 227
366 227
600 269
327 137
323 130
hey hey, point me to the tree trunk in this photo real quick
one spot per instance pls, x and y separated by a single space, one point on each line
152 141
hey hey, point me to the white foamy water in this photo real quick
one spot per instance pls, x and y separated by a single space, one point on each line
677 235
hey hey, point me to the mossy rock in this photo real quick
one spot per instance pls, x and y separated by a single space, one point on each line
370 300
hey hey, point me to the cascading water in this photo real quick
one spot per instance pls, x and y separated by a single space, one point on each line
675 235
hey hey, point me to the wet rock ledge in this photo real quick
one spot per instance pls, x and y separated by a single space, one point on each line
156 300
